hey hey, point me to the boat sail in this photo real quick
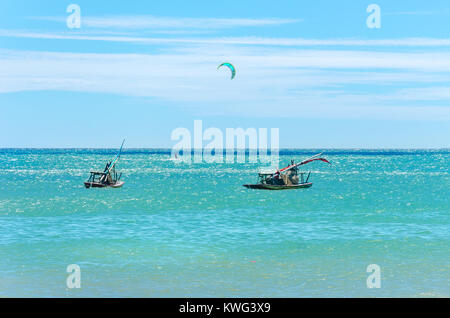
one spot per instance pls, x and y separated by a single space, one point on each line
286 178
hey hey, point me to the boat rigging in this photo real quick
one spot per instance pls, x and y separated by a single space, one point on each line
109 176
287 178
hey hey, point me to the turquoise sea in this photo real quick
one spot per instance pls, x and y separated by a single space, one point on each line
192 230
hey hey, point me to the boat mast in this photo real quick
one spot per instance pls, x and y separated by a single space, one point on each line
113 163
300 163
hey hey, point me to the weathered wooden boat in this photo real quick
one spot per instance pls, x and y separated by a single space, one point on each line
102 180
107 178
287 178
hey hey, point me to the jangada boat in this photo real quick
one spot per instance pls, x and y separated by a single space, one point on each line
286 178
107 178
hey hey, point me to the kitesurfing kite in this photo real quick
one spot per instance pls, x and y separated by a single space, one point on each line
231 67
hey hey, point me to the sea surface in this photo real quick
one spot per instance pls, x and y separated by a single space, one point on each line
192 230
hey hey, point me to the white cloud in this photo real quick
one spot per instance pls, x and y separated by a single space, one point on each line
247 41
411 13
301 83
436 93
152 22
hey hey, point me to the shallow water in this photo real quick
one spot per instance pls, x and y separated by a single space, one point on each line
176 229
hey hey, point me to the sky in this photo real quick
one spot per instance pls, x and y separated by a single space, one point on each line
140 69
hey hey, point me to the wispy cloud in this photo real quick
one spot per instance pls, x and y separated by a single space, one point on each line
253 41
146 22
303 83
409 13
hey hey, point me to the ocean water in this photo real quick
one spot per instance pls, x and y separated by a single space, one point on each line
192 230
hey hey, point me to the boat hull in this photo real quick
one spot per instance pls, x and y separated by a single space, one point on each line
262 186
88 185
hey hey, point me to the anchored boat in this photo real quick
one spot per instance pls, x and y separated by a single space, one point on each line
109 176
287 178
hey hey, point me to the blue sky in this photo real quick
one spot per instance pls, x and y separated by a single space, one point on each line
138 70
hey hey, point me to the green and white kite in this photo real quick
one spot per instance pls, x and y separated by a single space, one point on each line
231 67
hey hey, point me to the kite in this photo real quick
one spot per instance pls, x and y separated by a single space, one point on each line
231 67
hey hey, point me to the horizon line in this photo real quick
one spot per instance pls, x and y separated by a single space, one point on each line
193 149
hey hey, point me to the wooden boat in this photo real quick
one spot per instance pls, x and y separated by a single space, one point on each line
107 178
102 180
286 178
